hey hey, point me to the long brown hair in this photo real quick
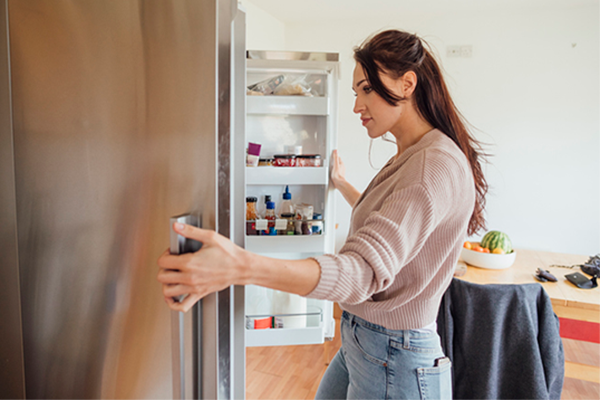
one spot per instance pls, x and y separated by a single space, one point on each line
394 53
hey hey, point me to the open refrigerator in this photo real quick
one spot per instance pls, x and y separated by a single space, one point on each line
291 112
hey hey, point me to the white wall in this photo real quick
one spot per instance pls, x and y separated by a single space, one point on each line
263 30
531 89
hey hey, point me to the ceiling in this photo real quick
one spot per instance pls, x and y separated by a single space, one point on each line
293 11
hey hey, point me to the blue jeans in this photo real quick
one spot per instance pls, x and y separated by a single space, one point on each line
379 363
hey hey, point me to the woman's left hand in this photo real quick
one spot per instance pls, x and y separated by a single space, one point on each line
217 265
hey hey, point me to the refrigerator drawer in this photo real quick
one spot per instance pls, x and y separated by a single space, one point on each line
289 105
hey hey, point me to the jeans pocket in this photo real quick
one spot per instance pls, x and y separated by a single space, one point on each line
372 345
435 382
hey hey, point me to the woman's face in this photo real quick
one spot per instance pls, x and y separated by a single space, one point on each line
377 115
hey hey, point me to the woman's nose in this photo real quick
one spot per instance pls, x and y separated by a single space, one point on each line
358 106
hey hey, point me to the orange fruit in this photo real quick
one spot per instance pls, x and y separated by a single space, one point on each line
498 250
468 245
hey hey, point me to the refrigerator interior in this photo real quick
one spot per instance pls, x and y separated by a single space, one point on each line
278 122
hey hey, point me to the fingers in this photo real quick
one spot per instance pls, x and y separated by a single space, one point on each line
169 276
174 262
185 305
176 290
189 302
205 236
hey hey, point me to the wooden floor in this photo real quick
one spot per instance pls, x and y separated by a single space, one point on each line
288 372
294 372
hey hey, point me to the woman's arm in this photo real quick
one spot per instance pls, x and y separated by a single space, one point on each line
338 177
220 263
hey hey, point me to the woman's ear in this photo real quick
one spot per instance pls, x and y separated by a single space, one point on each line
408 83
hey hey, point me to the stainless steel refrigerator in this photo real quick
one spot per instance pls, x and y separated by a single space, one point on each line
115 115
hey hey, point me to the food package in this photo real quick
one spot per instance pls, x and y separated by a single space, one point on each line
265 87
293 86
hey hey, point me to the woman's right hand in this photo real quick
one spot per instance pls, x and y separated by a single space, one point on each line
338 170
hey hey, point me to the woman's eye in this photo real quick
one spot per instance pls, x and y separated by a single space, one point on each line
367 89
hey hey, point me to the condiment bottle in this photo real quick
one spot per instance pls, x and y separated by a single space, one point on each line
270 216
263 207
287 207
251 216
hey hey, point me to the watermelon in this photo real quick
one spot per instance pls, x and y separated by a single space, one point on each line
497 240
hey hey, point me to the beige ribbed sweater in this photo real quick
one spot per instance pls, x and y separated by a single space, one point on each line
406 232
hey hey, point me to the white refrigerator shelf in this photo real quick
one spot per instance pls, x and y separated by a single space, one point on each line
287 175
286 244
287 105
285 337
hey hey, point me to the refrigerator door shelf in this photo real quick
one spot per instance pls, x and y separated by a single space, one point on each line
285 337
287 175
286 244
288 105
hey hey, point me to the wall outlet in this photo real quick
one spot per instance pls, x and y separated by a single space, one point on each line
464 51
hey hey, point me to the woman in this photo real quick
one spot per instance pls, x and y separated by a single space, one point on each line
406 233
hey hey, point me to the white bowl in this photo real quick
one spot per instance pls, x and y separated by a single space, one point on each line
488 260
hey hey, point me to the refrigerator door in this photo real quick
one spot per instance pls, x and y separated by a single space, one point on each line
12 380
118 111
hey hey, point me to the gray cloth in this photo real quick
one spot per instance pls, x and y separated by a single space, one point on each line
503 341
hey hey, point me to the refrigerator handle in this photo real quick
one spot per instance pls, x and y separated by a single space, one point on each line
181 245
177 354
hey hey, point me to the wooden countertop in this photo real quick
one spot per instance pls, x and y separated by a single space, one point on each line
568 300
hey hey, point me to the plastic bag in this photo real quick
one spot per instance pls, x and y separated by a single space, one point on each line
265 87
294 86
284 85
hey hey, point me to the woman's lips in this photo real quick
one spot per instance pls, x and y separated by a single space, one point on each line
365 121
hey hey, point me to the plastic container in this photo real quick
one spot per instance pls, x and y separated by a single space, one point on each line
253 154
284 160
308 160
285 304
304 211
296 150
317 224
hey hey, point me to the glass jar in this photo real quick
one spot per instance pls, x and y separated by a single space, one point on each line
251 213
306 227
251 216
284 160
308 160
290 224
265 162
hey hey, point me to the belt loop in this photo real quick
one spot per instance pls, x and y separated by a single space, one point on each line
406 341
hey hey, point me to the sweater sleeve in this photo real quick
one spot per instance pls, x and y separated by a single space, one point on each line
371 258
